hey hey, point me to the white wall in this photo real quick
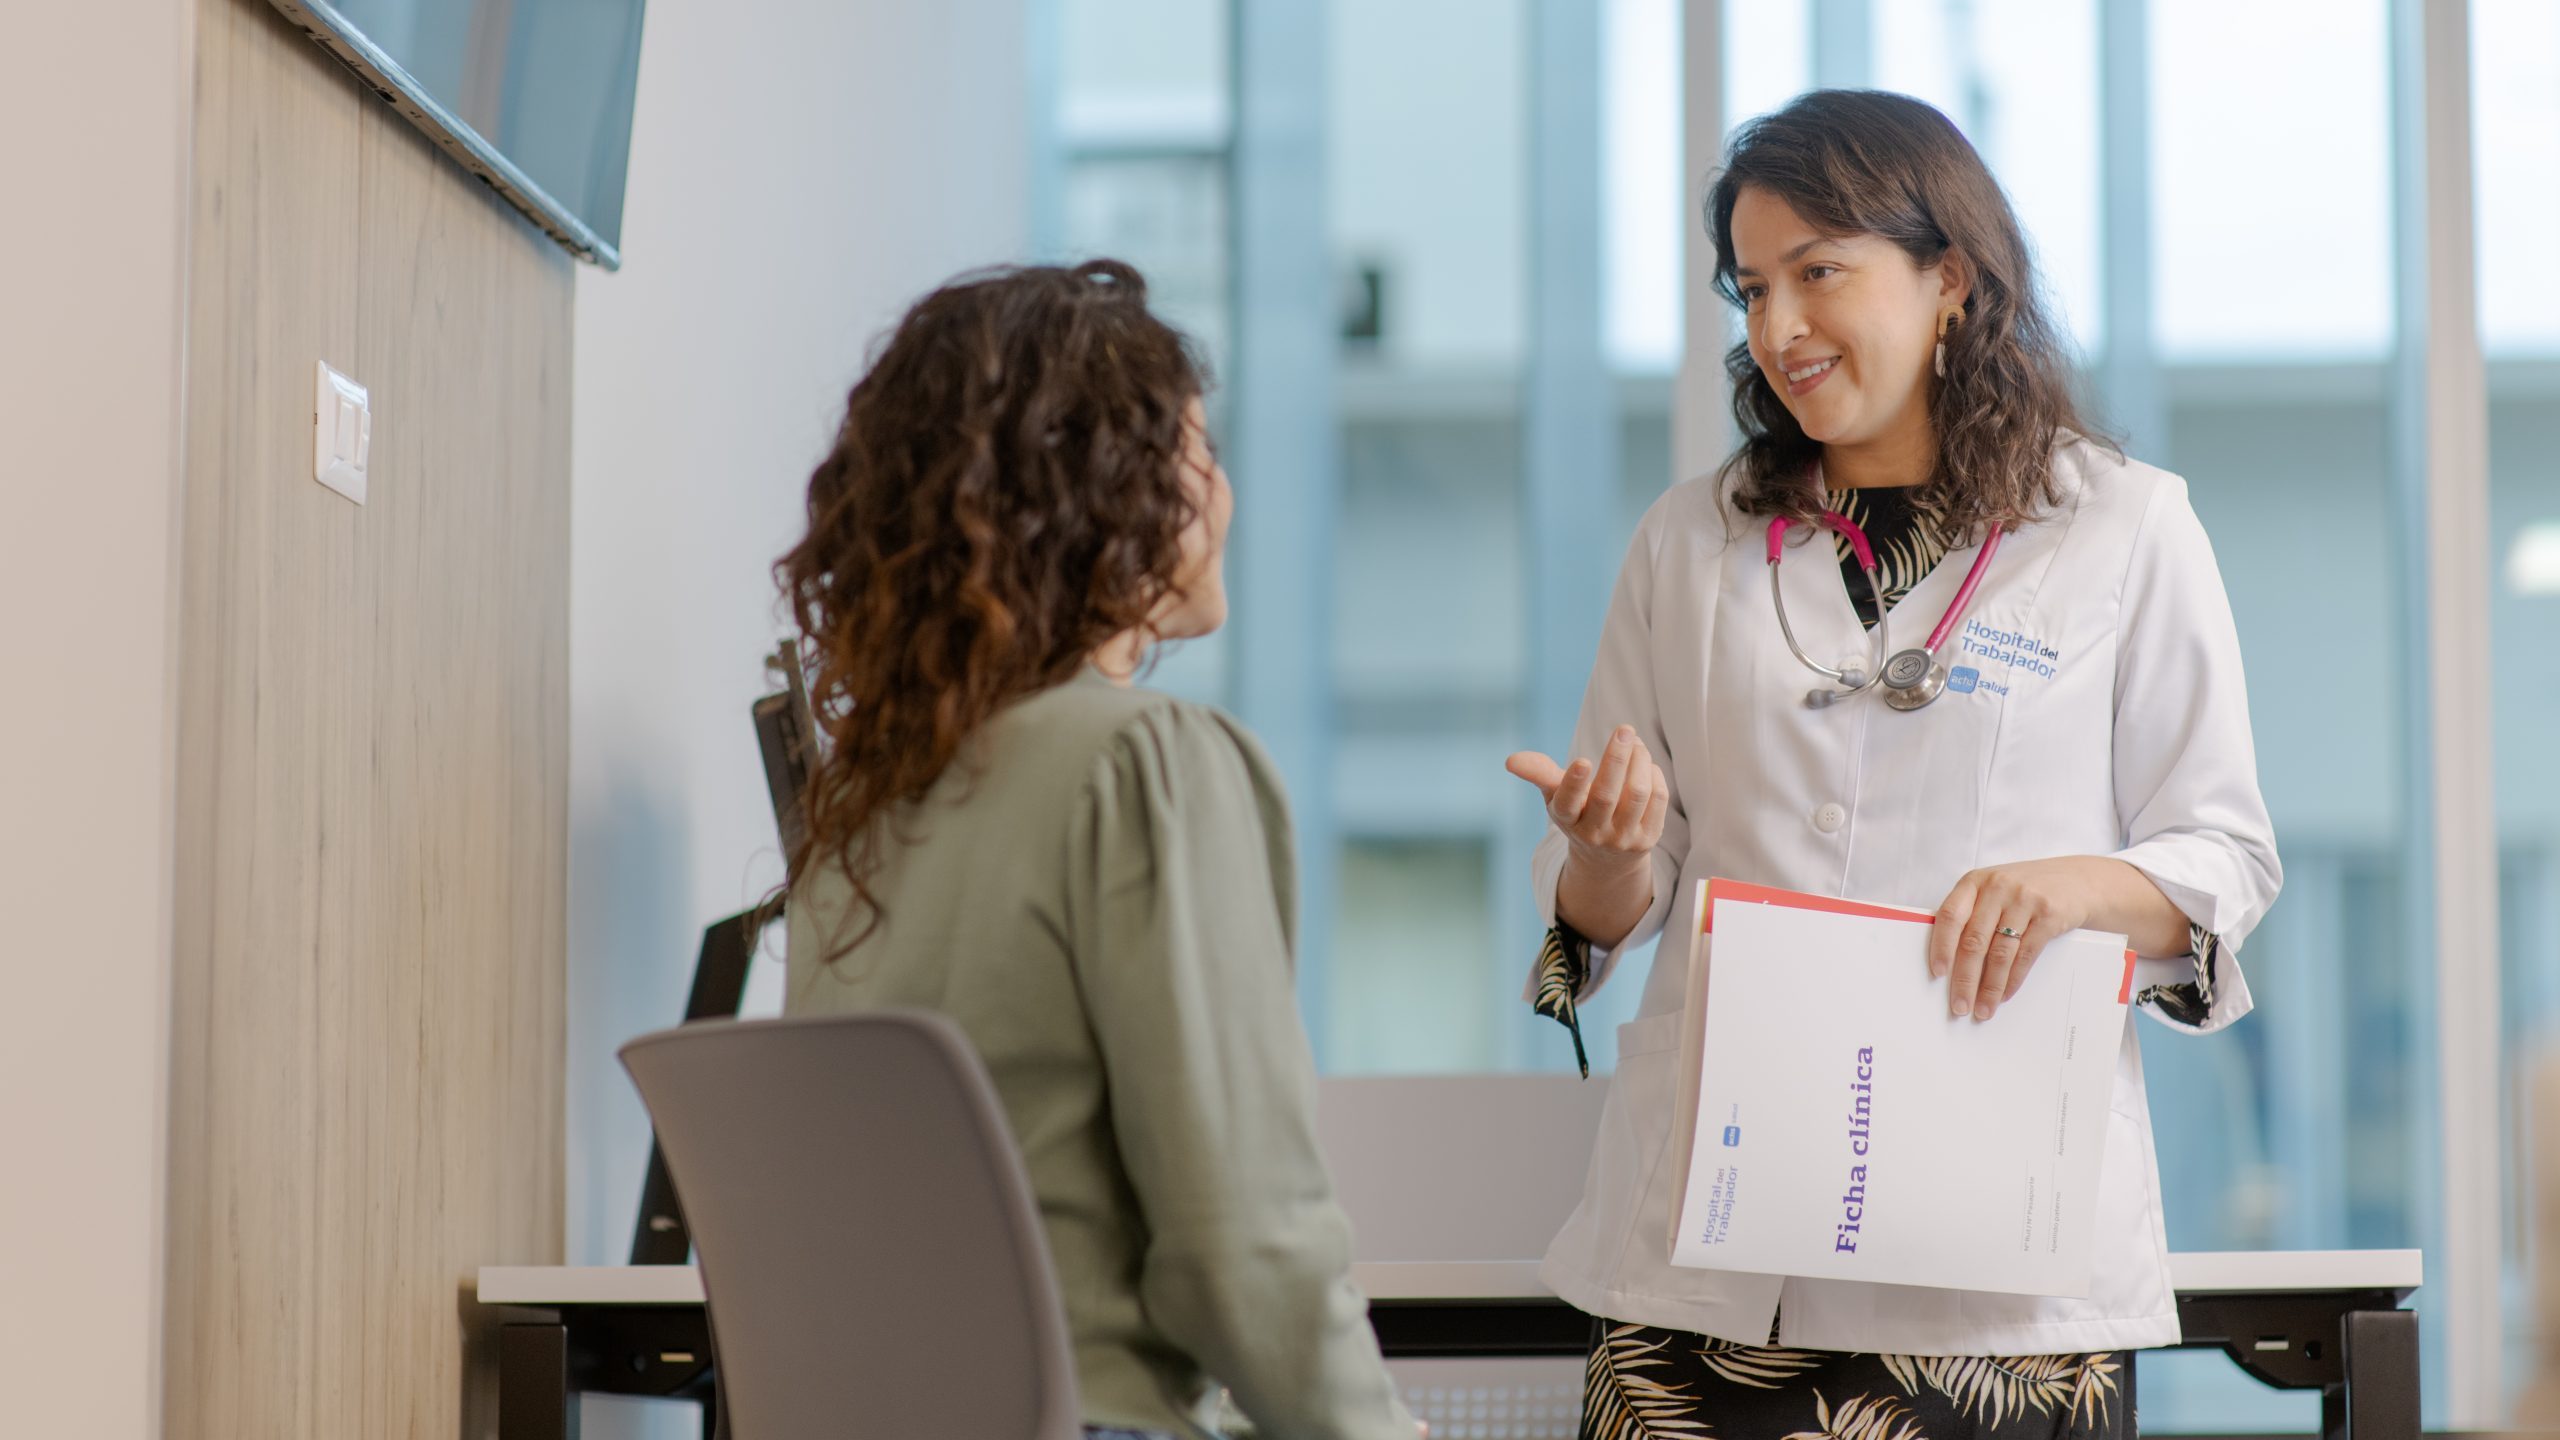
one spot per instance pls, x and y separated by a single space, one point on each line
794 183
91 271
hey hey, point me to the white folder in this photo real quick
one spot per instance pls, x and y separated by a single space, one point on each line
1836 1122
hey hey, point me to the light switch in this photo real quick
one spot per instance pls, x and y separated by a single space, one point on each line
341 433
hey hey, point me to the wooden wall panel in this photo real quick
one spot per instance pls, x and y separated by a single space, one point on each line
369 1037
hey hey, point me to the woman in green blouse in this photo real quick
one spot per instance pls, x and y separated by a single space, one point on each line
1094 880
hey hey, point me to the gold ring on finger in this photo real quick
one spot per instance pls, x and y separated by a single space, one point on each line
2005 930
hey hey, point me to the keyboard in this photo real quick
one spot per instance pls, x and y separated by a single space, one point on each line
1493 1399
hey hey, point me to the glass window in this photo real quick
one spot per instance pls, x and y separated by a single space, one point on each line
1430 222
1647 197
1142 73
2270 180
1768 56
2515 133
1144 122
1652 197
1417 920
2303 1126
1428 180
2269 194
2019 77
1428 177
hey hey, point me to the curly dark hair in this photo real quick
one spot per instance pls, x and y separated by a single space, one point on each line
1005 495
1865 162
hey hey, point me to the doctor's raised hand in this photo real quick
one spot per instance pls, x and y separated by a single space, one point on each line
1611 813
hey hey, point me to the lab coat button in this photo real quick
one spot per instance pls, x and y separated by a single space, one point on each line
1830 818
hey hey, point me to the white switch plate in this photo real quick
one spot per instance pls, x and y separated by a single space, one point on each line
341 433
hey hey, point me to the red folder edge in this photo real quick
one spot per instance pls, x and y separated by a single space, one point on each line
1745 893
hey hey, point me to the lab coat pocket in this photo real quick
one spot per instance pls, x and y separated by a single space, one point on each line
1627 1158
1621 1233
2130 1221
1647 1034
1644 1094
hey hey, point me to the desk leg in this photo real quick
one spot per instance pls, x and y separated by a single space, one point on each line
534 1399
2379 1398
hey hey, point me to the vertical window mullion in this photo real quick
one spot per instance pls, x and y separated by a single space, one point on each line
1286 449
1700 430
2439 407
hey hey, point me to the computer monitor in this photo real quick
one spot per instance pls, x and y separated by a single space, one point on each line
787 735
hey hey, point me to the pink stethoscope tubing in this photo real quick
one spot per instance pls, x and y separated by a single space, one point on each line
1912 678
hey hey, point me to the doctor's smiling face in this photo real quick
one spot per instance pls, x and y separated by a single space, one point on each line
1843 327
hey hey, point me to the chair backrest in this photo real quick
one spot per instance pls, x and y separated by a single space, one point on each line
871 1253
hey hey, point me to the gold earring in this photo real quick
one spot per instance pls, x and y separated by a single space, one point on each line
1948 321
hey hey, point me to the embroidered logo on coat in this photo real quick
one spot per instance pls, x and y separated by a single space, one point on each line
2025 655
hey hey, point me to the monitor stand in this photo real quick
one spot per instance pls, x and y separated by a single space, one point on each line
719 982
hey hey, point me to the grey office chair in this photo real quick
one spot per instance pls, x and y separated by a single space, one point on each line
871 1254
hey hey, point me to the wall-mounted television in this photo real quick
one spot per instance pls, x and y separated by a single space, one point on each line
533 96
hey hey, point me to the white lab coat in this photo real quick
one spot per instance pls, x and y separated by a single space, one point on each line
2123 730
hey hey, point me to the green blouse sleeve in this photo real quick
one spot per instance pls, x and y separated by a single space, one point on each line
1180 903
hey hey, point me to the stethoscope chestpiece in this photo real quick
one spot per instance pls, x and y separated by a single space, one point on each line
1908 668
1912 679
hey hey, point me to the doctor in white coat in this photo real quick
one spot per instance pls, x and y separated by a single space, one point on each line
2066 744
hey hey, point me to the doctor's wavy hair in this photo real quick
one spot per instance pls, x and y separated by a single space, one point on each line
1005 494
1866 162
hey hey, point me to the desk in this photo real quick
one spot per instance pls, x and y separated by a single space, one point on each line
2326 1320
